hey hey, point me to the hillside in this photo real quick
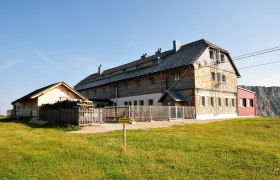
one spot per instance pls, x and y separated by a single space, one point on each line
233 149
268 100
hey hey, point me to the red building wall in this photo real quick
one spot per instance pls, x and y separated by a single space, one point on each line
246 102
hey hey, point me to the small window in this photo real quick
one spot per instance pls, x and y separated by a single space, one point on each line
211 52
202 100
125 86
138 84
103 90
243 102
233 102
87 93
152 81
226 99
223 78
129 103
151 102
211 100
251 102
176 77
213 75
135 103
94 91
125 103
222 58
218 77
220 101
141 102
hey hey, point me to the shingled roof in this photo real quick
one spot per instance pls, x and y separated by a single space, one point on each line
43 89
170 59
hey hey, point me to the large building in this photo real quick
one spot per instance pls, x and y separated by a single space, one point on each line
198 74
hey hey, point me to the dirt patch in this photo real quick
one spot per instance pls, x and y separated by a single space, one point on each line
107 127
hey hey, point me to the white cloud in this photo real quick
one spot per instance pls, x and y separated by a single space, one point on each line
8 64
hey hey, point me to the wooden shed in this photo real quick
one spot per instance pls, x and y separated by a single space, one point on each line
28 105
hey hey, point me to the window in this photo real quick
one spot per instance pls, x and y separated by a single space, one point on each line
151 102
138 83
223 78
129 103
243 102
226 99
213 76
103 90
220 102
211 52
202 100
125 86
152 81
87 93
141 102
251 102
211 100
135 103
233 102
125 103
176 77
222 58
94 91
218 77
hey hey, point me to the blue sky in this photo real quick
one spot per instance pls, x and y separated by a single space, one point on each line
42 42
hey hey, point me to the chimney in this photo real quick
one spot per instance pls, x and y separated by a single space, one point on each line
158 51
176 45
144 56
100 69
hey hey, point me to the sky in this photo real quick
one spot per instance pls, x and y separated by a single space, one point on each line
43 42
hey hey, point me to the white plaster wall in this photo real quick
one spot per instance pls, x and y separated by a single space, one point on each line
208 93
213 116
145 98
205 57
55 95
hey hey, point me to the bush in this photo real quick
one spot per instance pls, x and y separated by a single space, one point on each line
67 104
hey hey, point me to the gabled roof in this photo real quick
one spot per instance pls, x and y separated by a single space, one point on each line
175 95
170 59
238 87
39 92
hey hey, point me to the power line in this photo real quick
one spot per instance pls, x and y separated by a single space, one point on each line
273 62
256 52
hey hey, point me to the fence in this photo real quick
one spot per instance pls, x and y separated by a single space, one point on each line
111 114
149 113
75 116
26 113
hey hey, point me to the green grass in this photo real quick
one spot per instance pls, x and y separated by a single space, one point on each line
233 149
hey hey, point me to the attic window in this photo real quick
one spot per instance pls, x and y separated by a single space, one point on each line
138 83
125 86
211 52
222 58
176 77
152 81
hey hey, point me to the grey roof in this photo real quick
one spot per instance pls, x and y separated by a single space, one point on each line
28 96
176 95
186 55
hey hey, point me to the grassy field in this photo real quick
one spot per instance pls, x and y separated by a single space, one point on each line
241 148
